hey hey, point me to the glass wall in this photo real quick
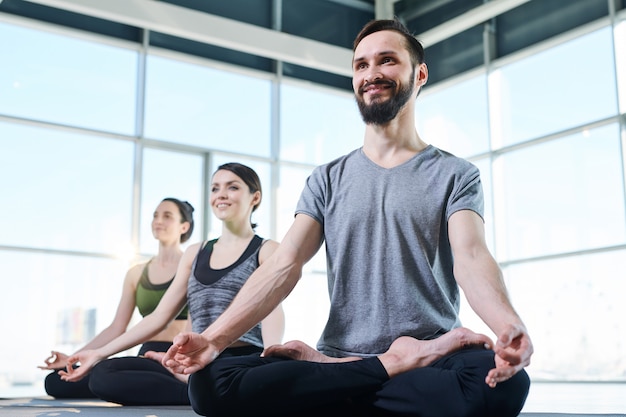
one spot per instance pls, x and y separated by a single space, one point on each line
546 132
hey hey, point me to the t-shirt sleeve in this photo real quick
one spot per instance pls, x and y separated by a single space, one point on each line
312 198
467 193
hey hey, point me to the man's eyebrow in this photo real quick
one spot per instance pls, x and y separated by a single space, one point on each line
382 53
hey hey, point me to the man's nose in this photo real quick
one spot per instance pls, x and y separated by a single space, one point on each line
373 76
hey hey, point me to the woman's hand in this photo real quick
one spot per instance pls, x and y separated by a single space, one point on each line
87 359
56 360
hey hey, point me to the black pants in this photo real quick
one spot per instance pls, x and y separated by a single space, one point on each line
142 381
58 388
453 386
135 380
111 371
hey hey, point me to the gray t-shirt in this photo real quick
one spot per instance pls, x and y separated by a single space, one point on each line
388 254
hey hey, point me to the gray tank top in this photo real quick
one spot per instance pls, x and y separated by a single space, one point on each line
211 291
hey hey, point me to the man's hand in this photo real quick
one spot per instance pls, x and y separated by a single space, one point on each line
513 351
87 360
56 360
189 353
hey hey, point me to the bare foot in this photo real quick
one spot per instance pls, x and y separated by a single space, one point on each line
407 353
298 350
158 357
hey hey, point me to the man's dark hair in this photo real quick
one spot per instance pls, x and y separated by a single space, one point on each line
415 48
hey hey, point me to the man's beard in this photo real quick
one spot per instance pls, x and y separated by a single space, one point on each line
382 112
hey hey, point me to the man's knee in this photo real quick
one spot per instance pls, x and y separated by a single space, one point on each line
508 398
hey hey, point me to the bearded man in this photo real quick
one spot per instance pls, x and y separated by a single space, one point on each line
403 227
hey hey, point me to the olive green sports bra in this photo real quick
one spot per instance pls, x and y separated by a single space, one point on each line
148 295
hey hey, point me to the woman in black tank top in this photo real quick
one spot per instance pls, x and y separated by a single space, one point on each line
235 195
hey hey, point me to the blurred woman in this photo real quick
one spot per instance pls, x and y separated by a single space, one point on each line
144 285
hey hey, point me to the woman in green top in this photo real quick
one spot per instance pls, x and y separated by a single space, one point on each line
144 285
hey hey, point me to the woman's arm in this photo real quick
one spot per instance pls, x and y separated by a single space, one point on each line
168 308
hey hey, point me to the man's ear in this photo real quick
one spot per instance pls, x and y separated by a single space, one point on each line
421 75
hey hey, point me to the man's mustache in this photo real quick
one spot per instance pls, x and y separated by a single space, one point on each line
389 83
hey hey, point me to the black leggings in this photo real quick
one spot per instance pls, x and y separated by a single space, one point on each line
58 388
136 380
142 381
453 386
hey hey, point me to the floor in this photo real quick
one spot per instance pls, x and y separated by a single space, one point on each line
576 397
48 407
544 400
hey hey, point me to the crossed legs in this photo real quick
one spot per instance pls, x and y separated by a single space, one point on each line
442 377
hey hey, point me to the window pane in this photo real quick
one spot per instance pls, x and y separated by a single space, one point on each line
574 309
318 126
560 196
64 80
61 191
455 118
533 22
620 53
201 106
262 215
170 174
566 86
292 182
59 304
456 54
306 308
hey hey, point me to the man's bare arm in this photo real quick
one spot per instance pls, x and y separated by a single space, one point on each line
266 288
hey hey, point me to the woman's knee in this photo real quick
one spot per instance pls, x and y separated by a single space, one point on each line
58 388
99 381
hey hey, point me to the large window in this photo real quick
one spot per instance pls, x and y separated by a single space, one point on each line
60 191
66 80
576 302
317 126
553 176
562 196
620 47
455 119
565 86
197 105
49 302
